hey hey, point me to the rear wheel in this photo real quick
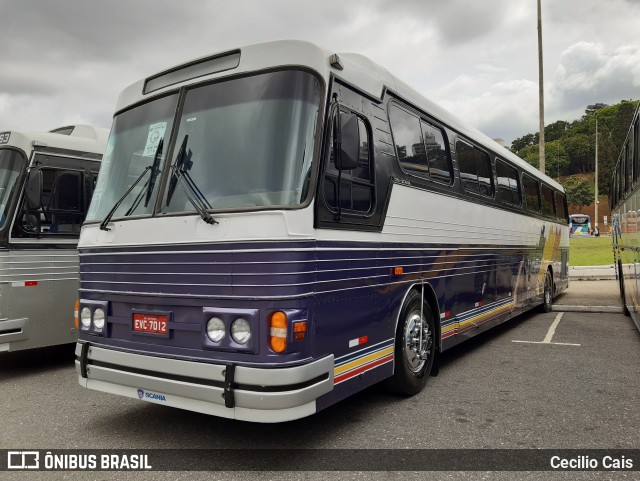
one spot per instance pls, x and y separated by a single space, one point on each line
414 347
548 292
623 297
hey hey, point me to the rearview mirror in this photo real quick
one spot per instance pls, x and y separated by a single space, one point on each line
34 190
350 145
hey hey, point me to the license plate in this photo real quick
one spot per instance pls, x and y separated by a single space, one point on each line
151 323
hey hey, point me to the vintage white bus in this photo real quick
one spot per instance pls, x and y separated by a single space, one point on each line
278 226
46 181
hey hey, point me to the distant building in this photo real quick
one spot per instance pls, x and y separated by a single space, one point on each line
500 141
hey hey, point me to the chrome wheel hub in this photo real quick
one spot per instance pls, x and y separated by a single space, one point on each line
417 341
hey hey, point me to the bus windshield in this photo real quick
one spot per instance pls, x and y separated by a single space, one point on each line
11 163
579 219
242 143
246 142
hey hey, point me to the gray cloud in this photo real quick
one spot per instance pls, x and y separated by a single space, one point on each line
68 60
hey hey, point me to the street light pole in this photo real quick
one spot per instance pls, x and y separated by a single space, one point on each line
593 109
540 90
596 189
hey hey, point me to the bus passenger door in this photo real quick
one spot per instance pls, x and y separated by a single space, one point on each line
350 201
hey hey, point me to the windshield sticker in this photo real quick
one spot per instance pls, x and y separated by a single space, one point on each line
156 132
4 137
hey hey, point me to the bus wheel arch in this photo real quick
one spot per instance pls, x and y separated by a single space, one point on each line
416 341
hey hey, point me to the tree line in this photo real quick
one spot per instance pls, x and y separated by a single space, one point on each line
570 146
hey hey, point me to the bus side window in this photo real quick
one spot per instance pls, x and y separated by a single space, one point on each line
561 213
475 169
356 185
508 186
531 193
437 153
548 205
485 174
468 168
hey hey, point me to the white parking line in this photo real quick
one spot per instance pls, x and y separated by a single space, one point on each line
550 333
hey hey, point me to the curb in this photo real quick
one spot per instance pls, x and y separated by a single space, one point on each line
602 309
602 277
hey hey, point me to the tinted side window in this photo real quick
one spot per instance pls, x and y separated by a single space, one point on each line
437 153
407 136
548 204
467 167
621 177
561 212
627 156
485 174
475 169
531 193
636 146
356 185
508 186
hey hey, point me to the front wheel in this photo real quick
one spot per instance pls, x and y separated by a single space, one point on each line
415 347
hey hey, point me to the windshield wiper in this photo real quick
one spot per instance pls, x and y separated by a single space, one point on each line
149 188
180 175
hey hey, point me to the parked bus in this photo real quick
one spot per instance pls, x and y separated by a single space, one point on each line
625 200
579 225
278 227
46 180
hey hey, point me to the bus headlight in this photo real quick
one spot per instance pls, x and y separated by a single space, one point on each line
98 319
85 317
241 330
215 329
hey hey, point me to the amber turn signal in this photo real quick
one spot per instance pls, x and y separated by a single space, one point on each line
75 313
278 331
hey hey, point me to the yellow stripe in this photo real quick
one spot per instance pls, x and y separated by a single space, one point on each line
359 362
485 315
448 328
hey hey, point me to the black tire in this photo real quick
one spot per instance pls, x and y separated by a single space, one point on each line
411 370
623 297
547 295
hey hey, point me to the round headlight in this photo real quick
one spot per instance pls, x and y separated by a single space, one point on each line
241 331
215 329
85 317
98 319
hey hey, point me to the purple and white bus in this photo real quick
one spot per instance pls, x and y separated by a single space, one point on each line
277 227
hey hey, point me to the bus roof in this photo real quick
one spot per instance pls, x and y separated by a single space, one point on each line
354 69
79 138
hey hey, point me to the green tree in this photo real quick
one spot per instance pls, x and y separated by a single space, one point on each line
580 149
579 192
612 132
575 149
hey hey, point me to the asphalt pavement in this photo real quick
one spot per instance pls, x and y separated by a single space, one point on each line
517 386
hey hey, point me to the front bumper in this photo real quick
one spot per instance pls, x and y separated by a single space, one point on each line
231 391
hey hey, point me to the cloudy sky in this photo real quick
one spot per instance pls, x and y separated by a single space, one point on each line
65 61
